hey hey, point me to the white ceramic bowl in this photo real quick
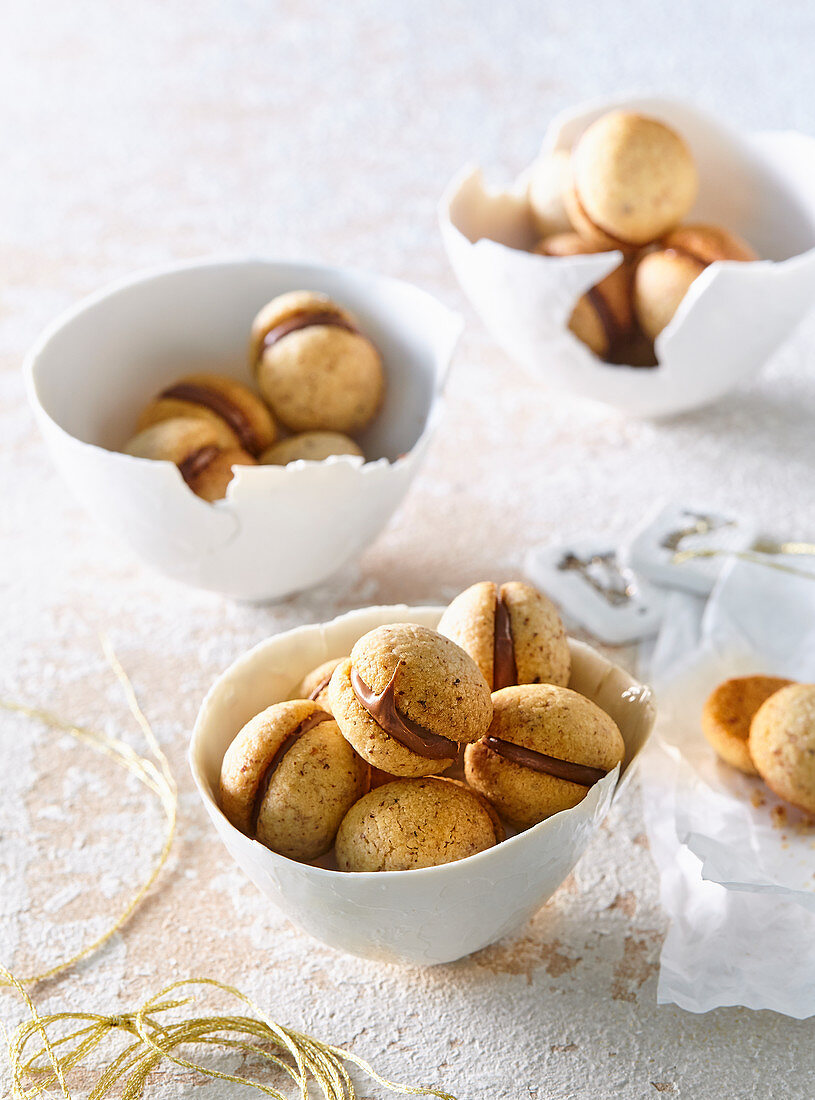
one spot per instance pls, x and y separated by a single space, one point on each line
427 916
731 320
280 529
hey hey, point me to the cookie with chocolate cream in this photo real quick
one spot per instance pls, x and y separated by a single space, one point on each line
289 778
513 633
546 747
196 446
242 419
314 684
406 698
412 823
314 366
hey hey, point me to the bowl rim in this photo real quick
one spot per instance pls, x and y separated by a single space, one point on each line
125 283
328 874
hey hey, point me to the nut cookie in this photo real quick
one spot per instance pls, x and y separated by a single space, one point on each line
513 633
242 418
406 697
310 446
314 684
633 179
728 713
663 277
546 746
289 778
782 744
412 823
314 366
195 445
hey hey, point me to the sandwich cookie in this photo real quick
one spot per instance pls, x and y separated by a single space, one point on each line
545 748
195 445
314 366
289 778
513 633
314 684
782 744
729 712
310 446
413 823
243 420
603 317
663 278
633 179
406 697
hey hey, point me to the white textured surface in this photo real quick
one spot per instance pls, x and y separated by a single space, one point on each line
135 135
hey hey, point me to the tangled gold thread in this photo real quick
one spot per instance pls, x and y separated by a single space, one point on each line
757 557
157 1040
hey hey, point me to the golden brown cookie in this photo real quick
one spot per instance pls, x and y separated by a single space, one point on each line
728 712
546 747
310 446
603 317
289 778
782 744
242 419
663 277
406 697
633 179
547 180
314 366
314 684
413 823
513 633
195 445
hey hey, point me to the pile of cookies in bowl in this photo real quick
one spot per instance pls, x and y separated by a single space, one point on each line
423 746
320 380
627 185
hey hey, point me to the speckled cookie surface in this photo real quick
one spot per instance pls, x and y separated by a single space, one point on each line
728 712
311 447
430 682
539 646
550 720
412 823
241 417
314 366
633 179
782 744
314 684
195 445
289 777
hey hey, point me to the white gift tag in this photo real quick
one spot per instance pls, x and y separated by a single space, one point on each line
597 591
657 549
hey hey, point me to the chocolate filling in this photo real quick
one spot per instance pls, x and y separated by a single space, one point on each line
323 684
194 465
606 317
266 778
504 668
548 765
228 411
382 708
306 320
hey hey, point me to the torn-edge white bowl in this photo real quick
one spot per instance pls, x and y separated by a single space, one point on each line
731 320
426 916
280 529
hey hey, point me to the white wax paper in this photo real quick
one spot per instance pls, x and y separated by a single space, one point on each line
737 866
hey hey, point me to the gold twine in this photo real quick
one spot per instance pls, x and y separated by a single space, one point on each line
153 773
157 1041
755 556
